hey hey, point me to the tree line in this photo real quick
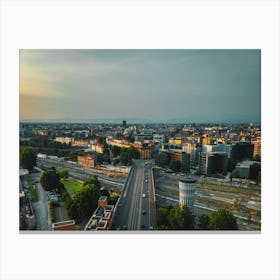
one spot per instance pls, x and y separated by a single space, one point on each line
181 218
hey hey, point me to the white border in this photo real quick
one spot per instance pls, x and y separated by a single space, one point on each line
159 24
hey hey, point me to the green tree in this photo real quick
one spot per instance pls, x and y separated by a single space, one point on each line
85 202
234 174
63 173
222 219
203 222
259 177
92 181
28 158
175 165
124 158
163 217
181 218
255 168
116 151
104 192
50 180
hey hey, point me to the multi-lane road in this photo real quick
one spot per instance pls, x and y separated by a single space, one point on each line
136 207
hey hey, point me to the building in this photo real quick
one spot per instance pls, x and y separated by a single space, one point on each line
43 132
142 137
103 201
220 147
244 168
63 140
181 156
97 148
213 162
257 148
102 217
64 225
187 188
118 142
242 150
159 138
176 141
145 149
87 161
80 143
124 124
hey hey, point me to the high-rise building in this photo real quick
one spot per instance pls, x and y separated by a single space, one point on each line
213 162
124 124
187 188
242 150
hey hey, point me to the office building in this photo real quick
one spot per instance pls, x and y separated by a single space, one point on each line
242 150
213 162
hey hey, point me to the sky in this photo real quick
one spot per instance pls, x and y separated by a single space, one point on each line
157 85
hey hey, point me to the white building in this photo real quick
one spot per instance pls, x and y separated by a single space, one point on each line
187 188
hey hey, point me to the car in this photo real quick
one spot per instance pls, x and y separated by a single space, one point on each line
142 226
143 195
124 227
144 212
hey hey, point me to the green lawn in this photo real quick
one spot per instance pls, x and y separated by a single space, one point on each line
73 185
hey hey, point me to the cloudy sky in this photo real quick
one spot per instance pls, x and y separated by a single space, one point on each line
195 85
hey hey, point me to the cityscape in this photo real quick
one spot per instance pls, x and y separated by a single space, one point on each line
140 140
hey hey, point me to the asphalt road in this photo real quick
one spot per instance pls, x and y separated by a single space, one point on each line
41 209
136 200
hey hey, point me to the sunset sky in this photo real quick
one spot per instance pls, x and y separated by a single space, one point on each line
196 85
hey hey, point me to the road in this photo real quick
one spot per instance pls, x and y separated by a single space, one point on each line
41 209
136 200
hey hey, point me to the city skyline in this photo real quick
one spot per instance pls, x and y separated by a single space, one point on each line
153 85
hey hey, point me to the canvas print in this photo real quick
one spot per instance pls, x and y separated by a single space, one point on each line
142 140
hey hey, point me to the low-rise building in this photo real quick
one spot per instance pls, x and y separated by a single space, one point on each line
102 217
64 225
64 140
87 161
243 168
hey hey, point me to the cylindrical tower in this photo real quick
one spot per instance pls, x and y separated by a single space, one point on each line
187 191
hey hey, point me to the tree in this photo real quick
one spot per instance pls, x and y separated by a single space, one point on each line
181 218
222 219
104 192
234 174
50 180
28 158
92 181
124 158
162 217
203 222
63 173
255 168
85 202
116 151
175 165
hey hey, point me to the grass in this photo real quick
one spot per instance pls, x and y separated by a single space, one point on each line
73 185
32 191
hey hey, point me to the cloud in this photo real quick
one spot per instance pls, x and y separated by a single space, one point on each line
143 83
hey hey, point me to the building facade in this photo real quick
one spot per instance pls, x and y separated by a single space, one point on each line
187 188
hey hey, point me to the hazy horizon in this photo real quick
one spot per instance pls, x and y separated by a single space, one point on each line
155 85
